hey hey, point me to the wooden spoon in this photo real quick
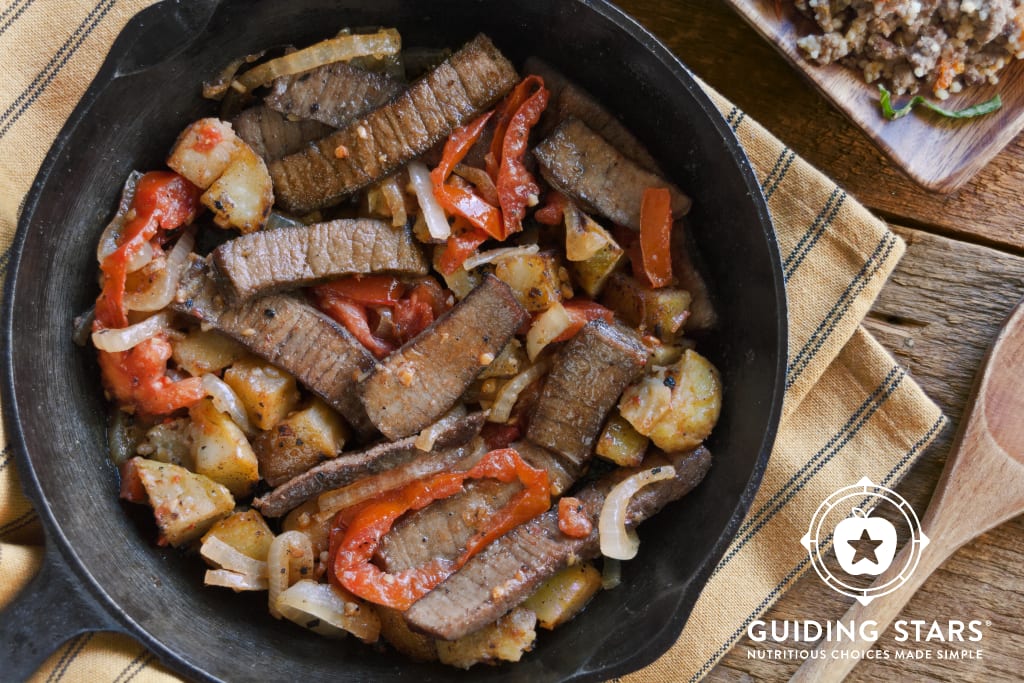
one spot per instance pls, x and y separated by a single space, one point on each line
981 487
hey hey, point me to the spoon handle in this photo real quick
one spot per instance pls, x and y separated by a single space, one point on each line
832 661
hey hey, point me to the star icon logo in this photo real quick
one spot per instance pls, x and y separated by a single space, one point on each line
865 547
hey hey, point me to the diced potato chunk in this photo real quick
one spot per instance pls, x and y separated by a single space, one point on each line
247 532
592 274
505 640
620 443
583 236
676 406
660 312
268 393
203 351
185 504
561 597
537 280
242 196
204 150
299 441
396 631
169 442
220 449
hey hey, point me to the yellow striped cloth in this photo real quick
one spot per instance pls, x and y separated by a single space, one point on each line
850 410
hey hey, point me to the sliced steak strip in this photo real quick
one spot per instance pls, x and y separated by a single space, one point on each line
570 100
416 384
443 528
561 473
583 165
512 567
289 333
452 446
272 260
334 94
273 136
587 377
375 145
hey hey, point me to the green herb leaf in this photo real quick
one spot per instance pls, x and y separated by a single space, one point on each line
885 99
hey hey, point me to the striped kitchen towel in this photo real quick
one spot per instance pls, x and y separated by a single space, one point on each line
850 410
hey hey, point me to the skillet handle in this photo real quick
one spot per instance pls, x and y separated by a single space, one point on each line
51 609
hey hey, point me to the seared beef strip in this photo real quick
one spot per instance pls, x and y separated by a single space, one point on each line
570 100
443 528
561 473
511 568
268 261
416 384
374 146
272 136
452 446
289 333
334 94
583 165
587 377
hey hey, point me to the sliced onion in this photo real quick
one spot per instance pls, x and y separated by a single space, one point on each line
495 254
128 337
507 396
433 214
218 87
164 286
342 48
312 605
548 326
611 573
226 401
618 542
82 326
290 559
229 558
233 580
426 439
395 199
108 240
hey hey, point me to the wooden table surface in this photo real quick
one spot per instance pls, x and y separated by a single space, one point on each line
962 274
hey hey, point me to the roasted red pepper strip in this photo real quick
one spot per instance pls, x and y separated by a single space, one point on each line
365 526
369 290
461 201
581 312
505 109
352 316
655 235
553 211
138 377
460 246
163 200
572 520
516 185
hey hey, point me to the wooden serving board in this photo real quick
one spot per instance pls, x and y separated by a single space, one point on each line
940 154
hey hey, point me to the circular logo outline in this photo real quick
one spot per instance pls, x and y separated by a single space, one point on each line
812 541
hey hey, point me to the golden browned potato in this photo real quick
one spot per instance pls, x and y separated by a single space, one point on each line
564 595
204 150
242 196
506 640
300 441
170 442
676 406
220 449
660 312
203 351
185 504
537 280
394 630
593 273
247 532
620 443
268 393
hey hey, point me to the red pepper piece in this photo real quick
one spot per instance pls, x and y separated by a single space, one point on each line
458 200
352 316
138 377
505 109
462 243
655 236
369 290
582 311
163 200
516 185
364 526
553 211
572 520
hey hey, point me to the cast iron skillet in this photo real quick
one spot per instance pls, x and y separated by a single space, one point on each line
102 570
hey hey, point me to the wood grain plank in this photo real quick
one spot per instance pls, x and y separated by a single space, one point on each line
938 314
722 49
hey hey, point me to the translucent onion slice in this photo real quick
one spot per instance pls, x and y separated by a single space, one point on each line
495 254
233 580
546 328
289 559
312 605
108 240
342 48
226 401
433 214
395 199
108 244
126 338
164 286
231 559
426 439
507 396
618 542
